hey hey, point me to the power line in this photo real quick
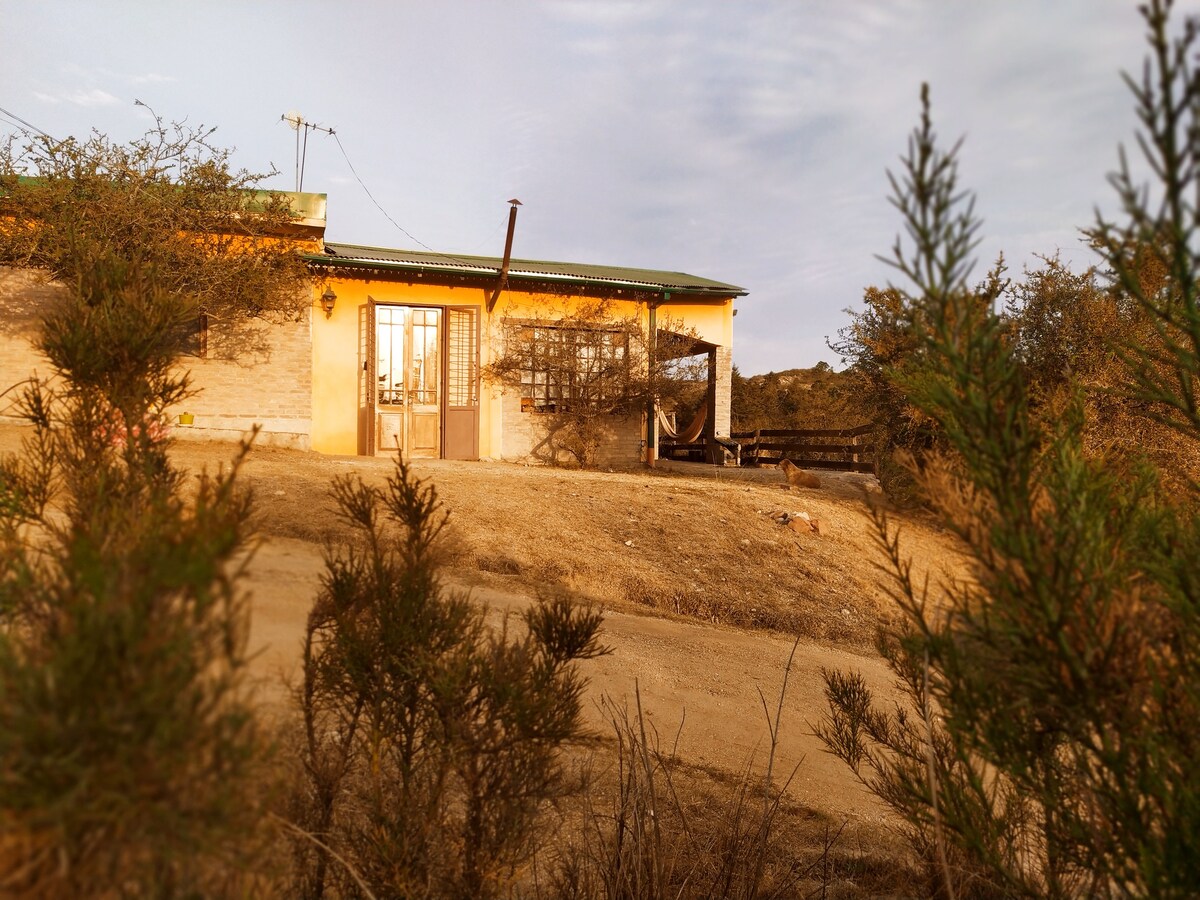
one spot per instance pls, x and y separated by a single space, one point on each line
13 124
27 125
400 227
499 230
367 190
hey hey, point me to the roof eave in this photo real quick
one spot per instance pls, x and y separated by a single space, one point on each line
488 274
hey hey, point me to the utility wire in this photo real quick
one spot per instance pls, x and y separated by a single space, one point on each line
492 237
13 124
401 228
28 125
367 190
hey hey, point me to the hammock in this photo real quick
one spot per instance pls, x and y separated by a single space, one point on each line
689 434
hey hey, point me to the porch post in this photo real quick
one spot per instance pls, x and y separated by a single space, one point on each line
712 450
652 400
723 413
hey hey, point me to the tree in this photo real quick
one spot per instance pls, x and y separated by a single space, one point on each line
888 344
431 744
170 199
797 398
1073 334
585 369
1048 742
129 756
880 344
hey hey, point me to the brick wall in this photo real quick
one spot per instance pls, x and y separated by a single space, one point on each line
263 377
723 415
526 438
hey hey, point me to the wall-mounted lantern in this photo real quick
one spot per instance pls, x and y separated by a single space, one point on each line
327 300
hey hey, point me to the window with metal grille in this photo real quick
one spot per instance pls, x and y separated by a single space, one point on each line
562 367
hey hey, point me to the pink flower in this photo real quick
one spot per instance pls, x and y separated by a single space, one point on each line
113 431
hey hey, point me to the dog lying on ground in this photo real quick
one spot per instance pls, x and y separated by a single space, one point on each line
797 477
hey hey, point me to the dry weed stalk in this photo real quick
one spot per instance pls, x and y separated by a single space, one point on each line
657 837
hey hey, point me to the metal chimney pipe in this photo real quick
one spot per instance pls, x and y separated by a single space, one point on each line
502 283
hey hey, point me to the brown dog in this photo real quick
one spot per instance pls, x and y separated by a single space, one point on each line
796 476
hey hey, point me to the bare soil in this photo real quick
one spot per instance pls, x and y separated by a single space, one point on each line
705 593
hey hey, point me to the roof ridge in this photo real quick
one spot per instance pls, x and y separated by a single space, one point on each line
465 256
661 279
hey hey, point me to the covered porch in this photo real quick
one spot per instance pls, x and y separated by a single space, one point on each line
705 438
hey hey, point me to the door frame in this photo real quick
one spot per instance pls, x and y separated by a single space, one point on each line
466 415
460 420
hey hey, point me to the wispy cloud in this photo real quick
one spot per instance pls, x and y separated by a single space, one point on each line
750 142
611 14
85 97
743 141
92 87
100 74
149 78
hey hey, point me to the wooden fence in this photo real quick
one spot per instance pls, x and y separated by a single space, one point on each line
845 449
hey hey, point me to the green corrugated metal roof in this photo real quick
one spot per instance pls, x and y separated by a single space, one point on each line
353 256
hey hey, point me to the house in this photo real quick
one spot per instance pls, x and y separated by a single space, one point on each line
395 350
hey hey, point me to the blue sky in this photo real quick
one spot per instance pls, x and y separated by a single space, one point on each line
742 141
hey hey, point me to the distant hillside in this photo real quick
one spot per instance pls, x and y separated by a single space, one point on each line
817 397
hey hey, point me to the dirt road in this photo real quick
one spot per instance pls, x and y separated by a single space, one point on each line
705 677
674 556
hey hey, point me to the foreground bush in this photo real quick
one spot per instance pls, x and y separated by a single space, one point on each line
1048 742
129 758
432 744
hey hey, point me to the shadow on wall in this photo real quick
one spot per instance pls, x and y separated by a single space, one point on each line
582 441
249 342
24 293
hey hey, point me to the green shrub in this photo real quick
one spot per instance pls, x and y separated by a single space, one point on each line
128 752
432 743
1047 745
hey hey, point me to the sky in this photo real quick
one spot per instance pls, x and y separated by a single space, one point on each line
747 142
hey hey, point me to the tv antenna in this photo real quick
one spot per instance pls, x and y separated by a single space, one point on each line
298 124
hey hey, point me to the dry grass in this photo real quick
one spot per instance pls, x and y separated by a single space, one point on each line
683 540
687 541
691 541
651 825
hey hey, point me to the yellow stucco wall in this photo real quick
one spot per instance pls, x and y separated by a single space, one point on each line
337 356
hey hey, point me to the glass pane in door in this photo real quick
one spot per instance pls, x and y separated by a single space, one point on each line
389 336
424 371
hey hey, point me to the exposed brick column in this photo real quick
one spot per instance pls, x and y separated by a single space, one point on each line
724 391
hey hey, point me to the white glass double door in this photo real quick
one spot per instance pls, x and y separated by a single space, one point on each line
408 377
